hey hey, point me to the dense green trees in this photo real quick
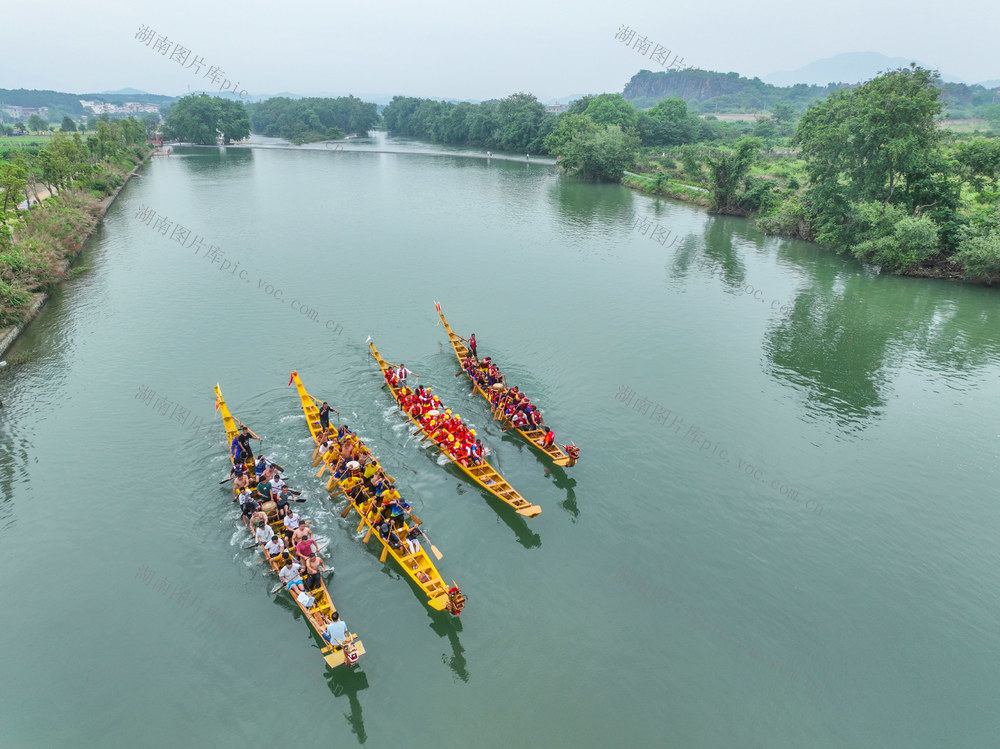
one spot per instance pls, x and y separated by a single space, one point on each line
877 148
34 244
517 123
590 150
312 119
670 124
37 123
611 109
68 126
200 118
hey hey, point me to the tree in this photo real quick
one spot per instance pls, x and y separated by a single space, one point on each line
312 119
591 151
193 119
893 239
668 124
783 112
13 184
980 255
68 126
874 143
519 118
734 191
612 109
233 122
37 123
978 162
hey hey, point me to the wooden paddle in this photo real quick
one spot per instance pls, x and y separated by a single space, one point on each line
244 426
434 549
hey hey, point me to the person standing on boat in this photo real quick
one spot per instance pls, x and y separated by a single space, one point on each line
324 416
472 345
401 374
314 563
241 445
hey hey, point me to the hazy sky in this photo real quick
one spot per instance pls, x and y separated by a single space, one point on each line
467 49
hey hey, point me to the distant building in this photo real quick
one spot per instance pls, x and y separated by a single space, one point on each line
128 108
556 108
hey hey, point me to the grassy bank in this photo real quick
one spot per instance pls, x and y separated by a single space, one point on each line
37 246
664 188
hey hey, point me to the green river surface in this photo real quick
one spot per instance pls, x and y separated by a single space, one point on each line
782 531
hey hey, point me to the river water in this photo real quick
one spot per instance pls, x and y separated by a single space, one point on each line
782 531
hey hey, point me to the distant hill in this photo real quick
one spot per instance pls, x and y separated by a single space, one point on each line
995 83
849 67
707 92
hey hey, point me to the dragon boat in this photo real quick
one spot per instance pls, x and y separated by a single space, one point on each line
319 613
418 566
485 475
565 456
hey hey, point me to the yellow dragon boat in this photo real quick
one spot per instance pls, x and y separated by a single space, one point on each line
483 474
535 437
318 614
417 566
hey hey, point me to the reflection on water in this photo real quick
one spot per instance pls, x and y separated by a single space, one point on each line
526 537
840 338
343 681
446 625
214 160
835 352
563 481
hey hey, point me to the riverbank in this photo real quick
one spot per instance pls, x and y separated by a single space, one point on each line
668 175
57 232
667 189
